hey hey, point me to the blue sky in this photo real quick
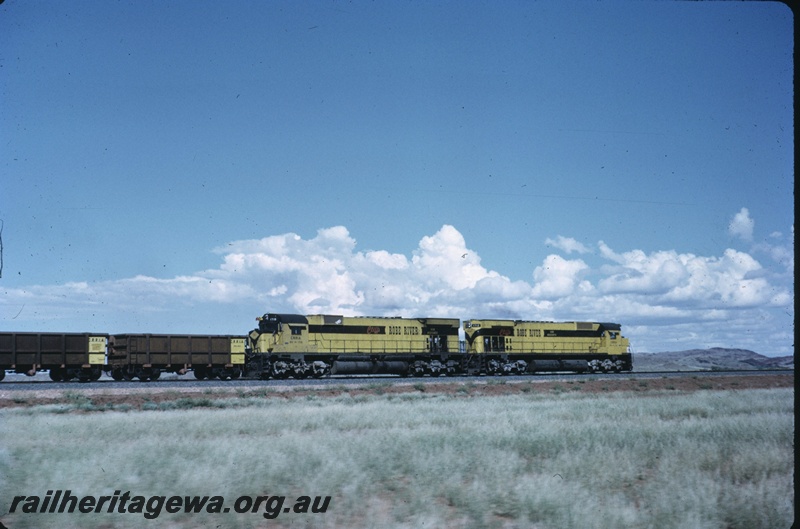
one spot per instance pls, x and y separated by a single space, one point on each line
184 167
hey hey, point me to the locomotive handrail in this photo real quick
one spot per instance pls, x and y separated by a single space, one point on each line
577 347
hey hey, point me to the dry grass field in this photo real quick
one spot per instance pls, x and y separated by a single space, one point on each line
493 455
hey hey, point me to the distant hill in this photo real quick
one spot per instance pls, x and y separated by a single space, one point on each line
714 359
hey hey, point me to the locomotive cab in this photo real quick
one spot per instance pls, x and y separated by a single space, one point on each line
280 333
611 339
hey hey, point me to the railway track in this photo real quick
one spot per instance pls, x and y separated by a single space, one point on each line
22 383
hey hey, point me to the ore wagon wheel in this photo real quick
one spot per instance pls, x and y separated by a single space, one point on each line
228 374
85 376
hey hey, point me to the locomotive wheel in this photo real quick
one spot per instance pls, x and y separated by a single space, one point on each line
56 375
116 374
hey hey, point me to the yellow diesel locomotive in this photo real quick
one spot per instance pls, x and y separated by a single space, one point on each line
285 345
517 347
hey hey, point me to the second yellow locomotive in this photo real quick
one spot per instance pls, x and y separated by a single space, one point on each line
525 346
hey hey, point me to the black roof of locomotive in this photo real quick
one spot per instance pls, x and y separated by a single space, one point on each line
286 318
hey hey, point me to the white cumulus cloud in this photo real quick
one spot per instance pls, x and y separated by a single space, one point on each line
742 225
567 244
557 277
665 297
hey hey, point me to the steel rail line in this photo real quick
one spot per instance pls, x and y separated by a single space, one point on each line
25 383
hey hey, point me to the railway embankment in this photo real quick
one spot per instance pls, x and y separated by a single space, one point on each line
157 395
